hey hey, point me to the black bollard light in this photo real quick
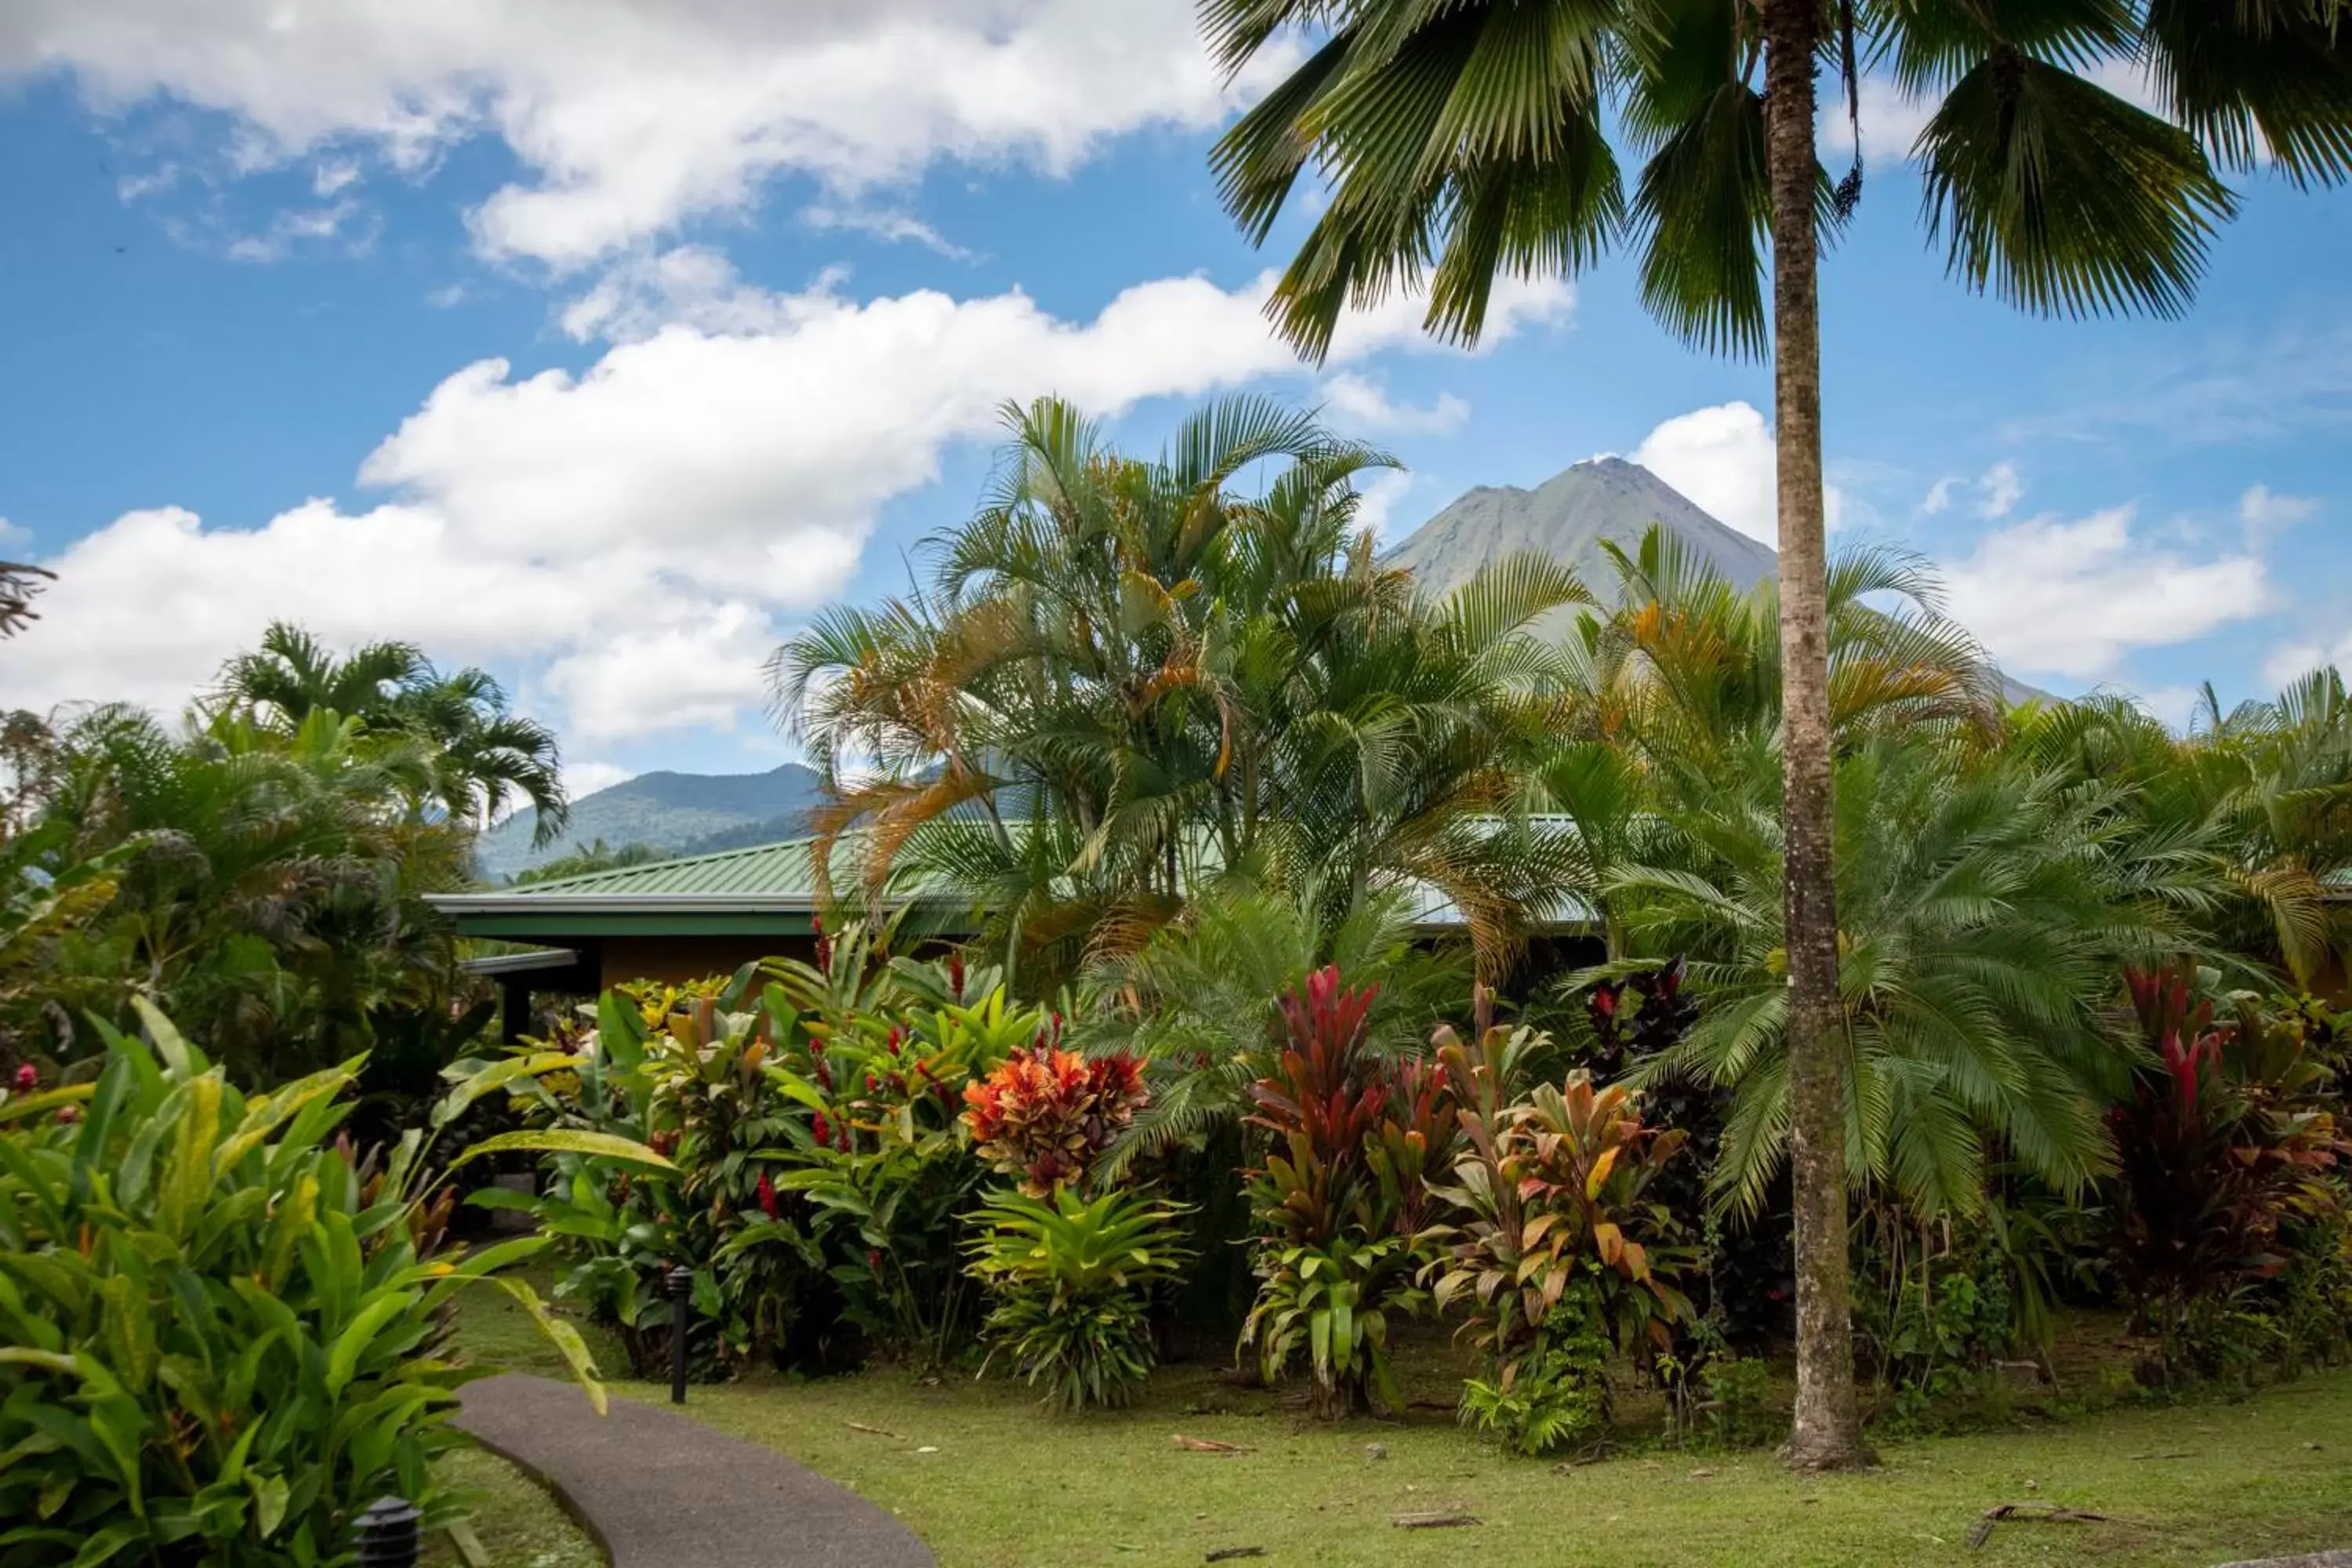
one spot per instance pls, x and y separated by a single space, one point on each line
681 1287
384 1535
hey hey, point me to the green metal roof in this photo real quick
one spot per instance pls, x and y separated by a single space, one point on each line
767 888
769 870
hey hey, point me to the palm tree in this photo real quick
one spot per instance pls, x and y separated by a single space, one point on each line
20 585
1986 908
1128 678
484 757
1460 139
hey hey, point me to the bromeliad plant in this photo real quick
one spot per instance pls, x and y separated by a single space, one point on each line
1552 1241
1353 1140
1071 1279
217 1341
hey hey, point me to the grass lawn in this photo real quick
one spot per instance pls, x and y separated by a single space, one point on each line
1005 1486
518 1523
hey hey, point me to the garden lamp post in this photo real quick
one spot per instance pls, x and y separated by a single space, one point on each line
681 1287
385 1535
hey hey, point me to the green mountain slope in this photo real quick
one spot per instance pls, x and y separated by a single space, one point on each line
676 812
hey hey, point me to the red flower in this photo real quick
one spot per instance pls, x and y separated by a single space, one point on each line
1604 1001
767 1194
26 1078
955 973
895 1037
823 1075
68 1114
874 1261
824 1130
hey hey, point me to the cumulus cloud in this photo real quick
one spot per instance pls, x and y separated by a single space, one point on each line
639 534
2073 598
629 115
1723 459
1357 402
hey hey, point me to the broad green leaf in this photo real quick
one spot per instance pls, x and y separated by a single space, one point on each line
498 1075
188 1169
564 1337
560 1140
183 1059
343 1360
105 1545
48 1100
270 1494
266 1114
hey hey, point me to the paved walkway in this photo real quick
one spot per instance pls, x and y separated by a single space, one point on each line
662 1491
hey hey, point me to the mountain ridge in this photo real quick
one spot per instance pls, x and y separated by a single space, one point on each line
677 813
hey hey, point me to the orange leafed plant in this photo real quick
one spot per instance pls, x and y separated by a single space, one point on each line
1046 1113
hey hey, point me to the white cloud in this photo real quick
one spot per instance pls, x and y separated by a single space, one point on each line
2073 598
1723 459
2175 705
2000 489
1377 501
2292 661
581 779
698 671
1355 402
630 115
1938 497
2264 511
1890 121
333 174
637 534
884 223
341 220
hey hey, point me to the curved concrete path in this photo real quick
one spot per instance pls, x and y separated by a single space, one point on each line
662 1491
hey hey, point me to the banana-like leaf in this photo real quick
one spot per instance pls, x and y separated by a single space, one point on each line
565 1338
498 1075
563 1140
48 1100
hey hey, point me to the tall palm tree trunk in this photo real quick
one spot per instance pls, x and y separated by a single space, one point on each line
1827 1433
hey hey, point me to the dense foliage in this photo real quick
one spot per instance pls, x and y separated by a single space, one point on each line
223 1336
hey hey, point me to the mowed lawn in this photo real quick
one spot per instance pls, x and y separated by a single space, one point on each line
991 1481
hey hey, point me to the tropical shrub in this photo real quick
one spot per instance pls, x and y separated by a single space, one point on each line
1071 1281
1332 1200
821 1174
220 1339
2212 1164
1552 1237
1045 1114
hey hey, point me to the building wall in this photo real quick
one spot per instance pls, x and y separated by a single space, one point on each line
677 960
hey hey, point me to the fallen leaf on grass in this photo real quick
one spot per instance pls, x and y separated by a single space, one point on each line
1449 1519
877 1431
1207 1445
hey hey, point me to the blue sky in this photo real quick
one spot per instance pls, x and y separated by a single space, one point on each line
600 343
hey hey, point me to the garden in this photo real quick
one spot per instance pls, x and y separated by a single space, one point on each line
1329 1068
1618 1066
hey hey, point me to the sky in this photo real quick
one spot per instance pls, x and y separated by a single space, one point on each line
600 342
